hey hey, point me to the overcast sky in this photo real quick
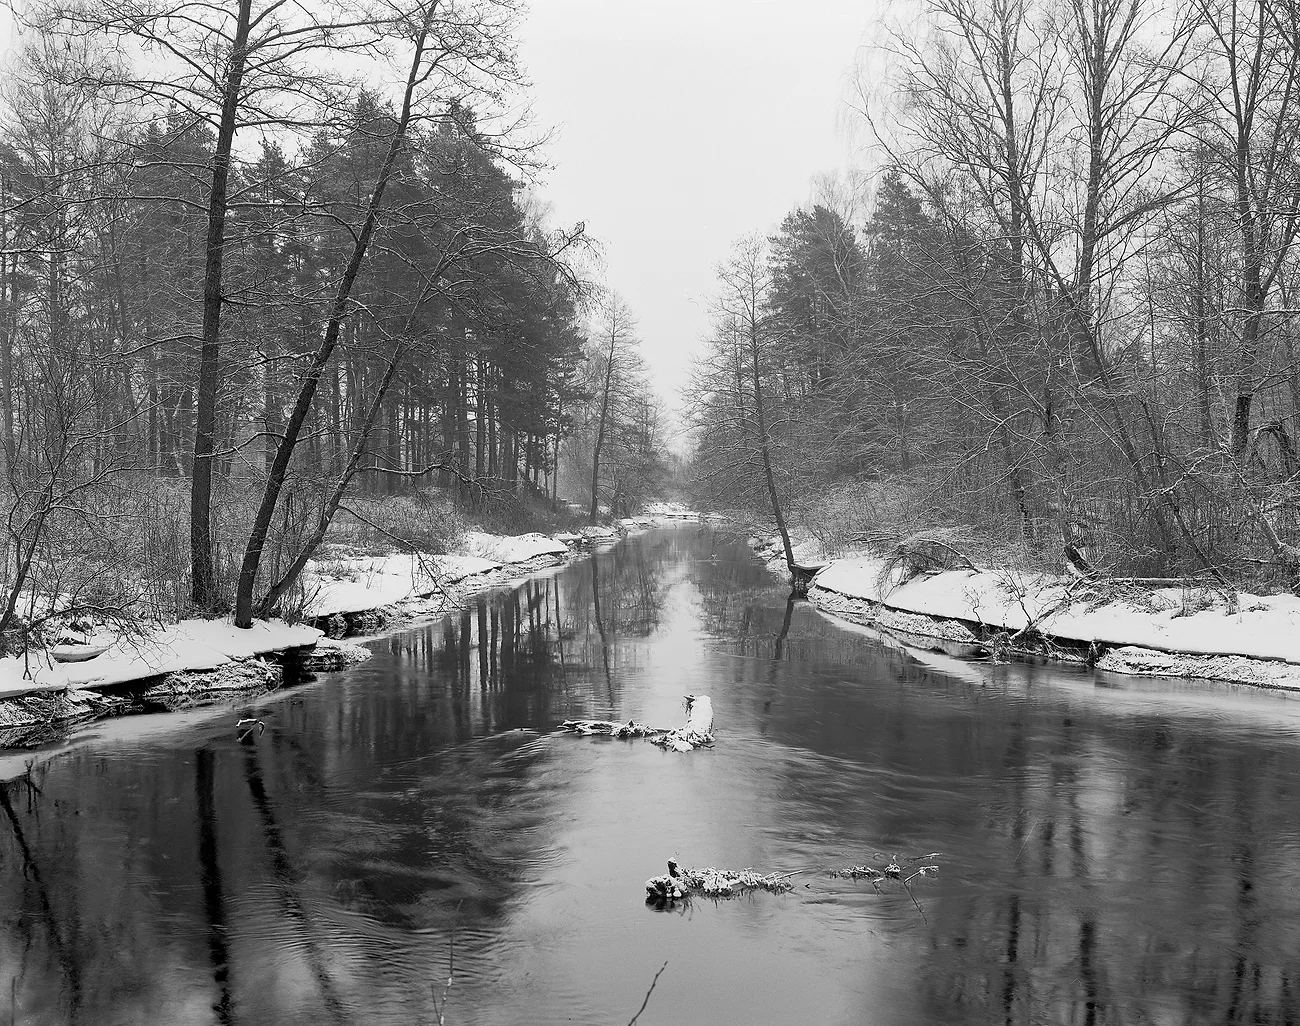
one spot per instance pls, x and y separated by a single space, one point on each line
683 125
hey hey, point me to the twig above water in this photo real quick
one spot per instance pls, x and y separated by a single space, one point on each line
646 1000
894 870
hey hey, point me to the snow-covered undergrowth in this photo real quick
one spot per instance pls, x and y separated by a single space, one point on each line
1193 631
342 583
347 591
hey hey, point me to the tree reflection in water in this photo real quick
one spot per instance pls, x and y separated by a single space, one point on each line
1105 860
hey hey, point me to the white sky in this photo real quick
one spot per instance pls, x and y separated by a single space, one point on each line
683 125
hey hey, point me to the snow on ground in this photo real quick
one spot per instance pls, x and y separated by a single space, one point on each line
344 584
352 584
356 583
808 551
1262 627
188 645
340 585
518 549
453 568
671 511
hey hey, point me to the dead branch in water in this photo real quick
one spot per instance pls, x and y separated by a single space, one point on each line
622 730
697 732
902 870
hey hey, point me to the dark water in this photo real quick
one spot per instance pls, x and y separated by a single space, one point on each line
1115 852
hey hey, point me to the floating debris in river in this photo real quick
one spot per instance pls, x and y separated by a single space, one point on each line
245 728
678 884
897 868
629 729
698 731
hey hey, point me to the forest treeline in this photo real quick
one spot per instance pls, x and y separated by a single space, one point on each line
1066 329
263 263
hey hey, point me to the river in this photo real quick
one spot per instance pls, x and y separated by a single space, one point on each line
1112 850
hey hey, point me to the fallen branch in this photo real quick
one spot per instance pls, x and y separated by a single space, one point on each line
697 732
903 870
625 730
679 884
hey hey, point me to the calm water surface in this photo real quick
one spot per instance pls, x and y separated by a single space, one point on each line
1114 851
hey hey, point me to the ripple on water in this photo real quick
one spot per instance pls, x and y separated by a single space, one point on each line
1132 850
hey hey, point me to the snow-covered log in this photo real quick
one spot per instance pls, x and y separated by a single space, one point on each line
629 729
679 883
698 730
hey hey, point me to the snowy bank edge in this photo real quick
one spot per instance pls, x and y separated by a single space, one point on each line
216 645
1257 647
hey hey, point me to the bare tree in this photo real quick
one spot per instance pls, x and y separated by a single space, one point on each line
266 66
450 46
732 391
1251 86
613 346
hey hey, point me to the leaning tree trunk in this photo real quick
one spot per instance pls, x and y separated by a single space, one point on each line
307 390
312 542
764 444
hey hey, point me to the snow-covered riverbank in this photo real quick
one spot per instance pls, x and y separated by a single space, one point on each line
1193 631
345 594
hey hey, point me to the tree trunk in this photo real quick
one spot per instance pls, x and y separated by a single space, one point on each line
480 426
331 506
203 581
8 322
760 414
600 427
307 390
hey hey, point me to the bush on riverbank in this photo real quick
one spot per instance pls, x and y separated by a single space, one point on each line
121 554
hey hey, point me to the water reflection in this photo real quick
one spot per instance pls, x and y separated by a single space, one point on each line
1124 853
